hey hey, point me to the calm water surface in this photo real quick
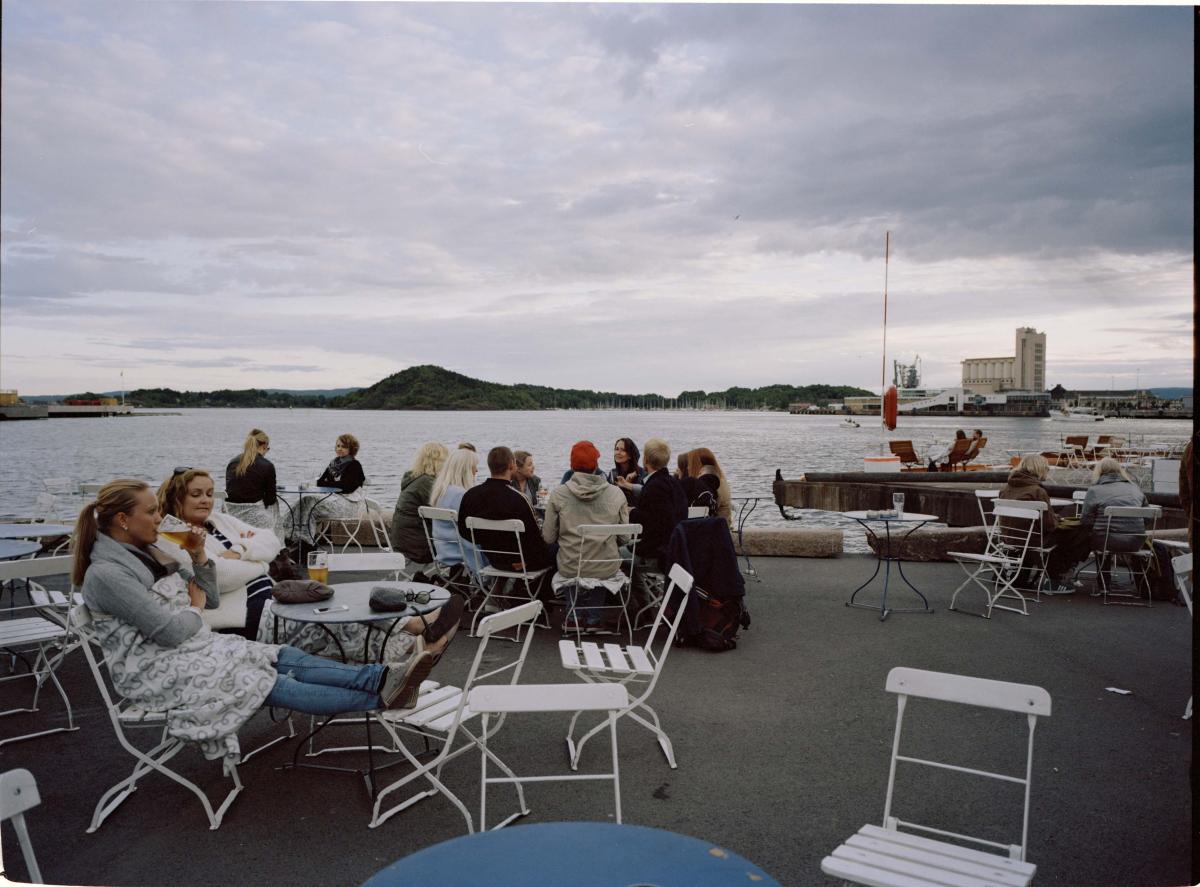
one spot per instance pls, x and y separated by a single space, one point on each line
749 445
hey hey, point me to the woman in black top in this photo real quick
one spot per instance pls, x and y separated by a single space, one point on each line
345 473
250 486
626 473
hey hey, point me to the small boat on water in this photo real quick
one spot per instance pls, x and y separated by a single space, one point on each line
849 423
1076 416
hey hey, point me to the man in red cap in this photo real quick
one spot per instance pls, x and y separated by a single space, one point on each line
594 563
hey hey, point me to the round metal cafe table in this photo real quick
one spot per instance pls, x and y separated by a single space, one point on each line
582 854
886 556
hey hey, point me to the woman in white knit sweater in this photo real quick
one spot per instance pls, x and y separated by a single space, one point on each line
242 553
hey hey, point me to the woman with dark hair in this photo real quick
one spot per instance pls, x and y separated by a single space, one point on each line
250 485
626 473
146 609
241 553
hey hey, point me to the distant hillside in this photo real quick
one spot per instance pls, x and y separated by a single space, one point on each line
249 397
1171 393
433 388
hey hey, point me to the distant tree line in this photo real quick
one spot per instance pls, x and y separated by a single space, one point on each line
225 397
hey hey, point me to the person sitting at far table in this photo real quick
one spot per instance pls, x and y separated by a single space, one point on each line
407 532
1025 485
250 486
495 499
662 504
586 498
345 473
626 473
524 481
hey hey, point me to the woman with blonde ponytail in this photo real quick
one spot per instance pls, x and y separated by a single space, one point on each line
145 610
250 486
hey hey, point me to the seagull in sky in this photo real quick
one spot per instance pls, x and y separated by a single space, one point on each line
421 148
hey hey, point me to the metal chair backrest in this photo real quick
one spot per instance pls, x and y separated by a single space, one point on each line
1012 532
19 795
33 568
498 557
1182 567
904 449
1026 699
382 561
1145 513
428 514
633 532
680 579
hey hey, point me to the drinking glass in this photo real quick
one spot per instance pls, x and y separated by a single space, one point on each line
318 566
174 529
898 504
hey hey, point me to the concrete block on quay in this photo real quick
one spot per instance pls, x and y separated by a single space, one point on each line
933 543
789 542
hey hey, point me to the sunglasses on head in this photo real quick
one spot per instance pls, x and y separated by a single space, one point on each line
182 469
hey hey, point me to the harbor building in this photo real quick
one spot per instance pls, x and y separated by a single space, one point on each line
1024 371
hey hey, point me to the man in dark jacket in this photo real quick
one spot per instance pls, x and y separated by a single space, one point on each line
494 499
662 504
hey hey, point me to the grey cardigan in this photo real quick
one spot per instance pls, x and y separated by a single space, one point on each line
1112 489
118 583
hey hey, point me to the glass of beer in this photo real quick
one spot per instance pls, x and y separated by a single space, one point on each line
318 566
174 529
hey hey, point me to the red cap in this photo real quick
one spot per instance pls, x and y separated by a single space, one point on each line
584 456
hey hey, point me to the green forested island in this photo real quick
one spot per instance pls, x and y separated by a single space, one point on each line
434 388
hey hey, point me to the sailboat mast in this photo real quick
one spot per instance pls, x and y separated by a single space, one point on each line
887 247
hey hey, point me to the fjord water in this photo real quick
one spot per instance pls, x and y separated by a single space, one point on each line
749 445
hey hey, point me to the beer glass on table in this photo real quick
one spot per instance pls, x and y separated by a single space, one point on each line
318 566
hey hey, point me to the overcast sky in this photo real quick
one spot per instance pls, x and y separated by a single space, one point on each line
629 198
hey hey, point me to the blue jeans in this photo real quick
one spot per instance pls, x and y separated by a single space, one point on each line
319 686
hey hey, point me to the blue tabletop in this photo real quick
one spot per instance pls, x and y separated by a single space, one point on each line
10 548
582 854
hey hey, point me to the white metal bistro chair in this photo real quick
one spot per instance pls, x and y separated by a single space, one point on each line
364 561
1182 566
885 855
126 718
1108 558
443 713
368 514
445 571
1037 563
997 570
19 795
45 635
636 667
595 535
504 587
524 698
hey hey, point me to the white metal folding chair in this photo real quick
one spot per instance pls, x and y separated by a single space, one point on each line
1182 567
1038 560
525 698
125 718
630 666
443 713
364 561
444 571
44 634
618 567
1109 556
885 855
370 514
19 795
497 580
997 570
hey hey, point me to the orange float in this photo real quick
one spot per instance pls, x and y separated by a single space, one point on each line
891 401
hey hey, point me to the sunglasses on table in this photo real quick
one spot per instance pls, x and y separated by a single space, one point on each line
416 597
